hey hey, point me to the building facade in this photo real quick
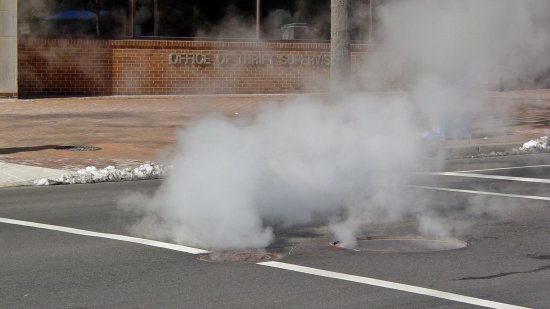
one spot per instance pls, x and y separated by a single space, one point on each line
126 47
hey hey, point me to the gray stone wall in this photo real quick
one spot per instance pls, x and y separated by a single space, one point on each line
8 48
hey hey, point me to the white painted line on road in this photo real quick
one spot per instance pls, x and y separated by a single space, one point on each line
136 240
503 168
391 285
529 197
495 177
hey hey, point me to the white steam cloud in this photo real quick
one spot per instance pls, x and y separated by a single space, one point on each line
342 163
294 163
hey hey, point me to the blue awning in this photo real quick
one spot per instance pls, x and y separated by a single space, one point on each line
77 14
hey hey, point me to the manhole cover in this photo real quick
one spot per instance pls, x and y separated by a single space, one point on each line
231 256
405 244
78 148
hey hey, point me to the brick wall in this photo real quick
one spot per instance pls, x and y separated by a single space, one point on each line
61 67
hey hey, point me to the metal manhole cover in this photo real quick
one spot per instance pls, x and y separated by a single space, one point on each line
77 148
404 244
232 256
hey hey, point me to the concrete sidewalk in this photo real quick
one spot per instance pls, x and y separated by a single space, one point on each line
20 175
134 130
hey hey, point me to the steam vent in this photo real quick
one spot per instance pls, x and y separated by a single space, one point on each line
404 244
241 256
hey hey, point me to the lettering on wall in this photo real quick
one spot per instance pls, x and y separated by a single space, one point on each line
258 59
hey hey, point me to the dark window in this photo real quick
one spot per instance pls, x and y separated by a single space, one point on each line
295 19
195 18
73 18
279 19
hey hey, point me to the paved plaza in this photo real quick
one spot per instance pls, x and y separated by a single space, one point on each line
134 130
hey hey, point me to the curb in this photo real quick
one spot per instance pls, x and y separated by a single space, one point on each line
476 150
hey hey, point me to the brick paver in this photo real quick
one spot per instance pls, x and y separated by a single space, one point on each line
132 130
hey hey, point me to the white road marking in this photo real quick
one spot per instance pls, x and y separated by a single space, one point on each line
136 240
495 177
503 168
529 197
391 285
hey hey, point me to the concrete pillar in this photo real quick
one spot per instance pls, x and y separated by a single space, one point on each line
8 48
340 46
131 18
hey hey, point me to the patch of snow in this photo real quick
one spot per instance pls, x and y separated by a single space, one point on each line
42 182
542 143
91 174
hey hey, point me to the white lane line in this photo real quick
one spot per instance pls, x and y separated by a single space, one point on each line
391 285
503 168
529 197
136 240
495 177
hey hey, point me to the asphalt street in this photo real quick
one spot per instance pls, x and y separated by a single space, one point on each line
505 220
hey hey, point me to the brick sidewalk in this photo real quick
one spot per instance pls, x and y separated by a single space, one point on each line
132 130
509 118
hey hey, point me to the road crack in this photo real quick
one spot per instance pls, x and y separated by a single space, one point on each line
542 268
